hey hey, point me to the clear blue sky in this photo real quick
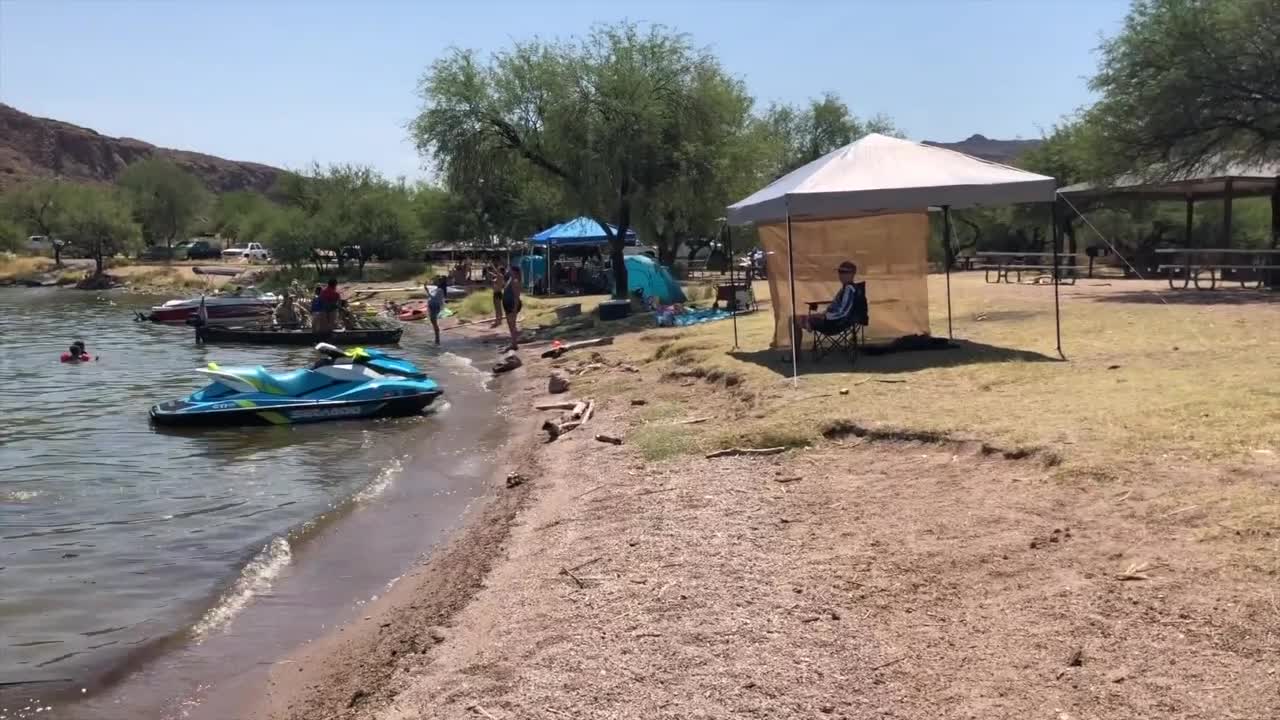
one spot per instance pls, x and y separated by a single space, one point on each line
288 82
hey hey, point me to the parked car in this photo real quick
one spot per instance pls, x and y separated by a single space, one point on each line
203 250
252 251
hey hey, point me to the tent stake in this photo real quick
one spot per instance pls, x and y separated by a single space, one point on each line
1057 318
791 280
946 262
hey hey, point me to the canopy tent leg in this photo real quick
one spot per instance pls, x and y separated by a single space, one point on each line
791 281
728 243
946 262
1057 313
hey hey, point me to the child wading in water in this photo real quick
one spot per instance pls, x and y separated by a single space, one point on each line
435 303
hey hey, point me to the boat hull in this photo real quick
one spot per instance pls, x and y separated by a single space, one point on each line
182 313
182 413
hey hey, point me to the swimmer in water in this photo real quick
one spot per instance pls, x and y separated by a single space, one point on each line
76 353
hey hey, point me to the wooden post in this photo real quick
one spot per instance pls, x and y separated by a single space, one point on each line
1226 216
1191 219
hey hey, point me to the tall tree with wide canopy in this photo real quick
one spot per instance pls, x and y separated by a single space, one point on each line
99 223
166 199
603 116
1190 83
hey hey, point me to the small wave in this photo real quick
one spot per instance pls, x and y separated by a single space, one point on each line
380 482
255 578
17 496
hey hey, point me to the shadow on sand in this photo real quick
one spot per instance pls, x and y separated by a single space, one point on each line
954 354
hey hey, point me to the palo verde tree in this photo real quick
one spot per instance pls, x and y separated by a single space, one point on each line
39 208
166 199
98 222
603 117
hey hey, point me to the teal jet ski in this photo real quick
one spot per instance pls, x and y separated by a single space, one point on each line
358 383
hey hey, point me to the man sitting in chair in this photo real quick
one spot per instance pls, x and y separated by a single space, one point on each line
842 305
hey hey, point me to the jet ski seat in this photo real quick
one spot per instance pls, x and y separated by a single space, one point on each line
292 383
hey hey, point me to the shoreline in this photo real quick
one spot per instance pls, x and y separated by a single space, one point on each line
352 665
913 576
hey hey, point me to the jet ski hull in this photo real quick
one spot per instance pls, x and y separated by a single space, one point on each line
287 412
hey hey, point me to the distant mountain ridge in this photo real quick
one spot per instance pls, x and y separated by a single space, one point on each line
33 147
980 146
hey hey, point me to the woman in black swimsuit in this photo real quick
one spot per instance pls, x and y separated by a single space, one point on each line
511 304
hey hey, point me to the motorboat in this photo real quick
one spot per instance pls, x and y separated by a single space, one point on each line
356 383
217 307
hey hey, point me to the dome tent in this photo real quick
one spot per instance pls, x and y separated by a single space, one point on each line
650 279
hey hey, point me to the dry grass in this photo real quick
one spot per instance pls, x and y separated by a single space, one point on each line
1145 380
166 278
17 267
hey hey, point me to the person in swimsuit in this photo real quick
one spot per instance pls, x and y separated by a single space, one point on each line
498 278
76 353
511 305
435 303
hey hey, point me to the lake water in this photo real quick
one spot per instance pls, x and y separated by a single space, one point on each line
142 559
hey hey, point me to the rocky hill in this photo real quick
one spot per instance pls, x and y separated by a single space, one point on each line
33 147
1001 151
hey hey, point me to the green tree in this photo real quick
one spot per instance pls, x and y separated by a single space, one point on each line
11 236
602 117
232 212
381 225
98 222
39 208
166 199
1188 84
717 162
802 135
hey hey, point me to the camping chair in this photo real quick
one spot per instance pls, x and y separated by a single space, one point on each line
846 337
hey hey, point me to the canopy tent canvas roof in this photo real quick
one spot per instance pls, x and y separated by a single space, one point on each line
878 174
1208 182
580 231
867 202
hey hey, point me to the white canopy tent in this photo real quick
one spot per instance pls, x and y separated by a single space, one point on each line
879 176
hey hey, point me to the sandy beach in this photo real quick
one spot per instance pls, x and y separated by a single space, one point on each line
868 575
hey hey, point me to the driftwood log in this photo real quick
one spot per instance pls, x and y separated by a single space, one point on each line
559 350
579 414
746 451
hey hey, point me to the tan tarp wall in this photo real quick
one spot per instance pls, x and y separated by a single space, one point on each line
892 257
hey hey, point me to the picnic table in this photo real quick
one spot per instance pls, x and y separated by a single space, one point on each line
1005 263
1209 266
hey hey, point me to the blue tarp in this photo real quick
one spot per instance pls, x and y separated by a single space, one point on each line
578 232
652 280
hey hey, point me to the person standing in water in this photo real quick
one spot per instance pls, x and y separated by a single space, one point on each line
435 303
511 304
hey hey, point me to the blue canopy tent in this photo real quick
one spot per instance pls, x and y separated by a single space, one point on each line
580 232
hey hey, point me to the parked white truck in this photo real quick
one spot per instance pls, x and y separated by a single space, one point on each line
252 251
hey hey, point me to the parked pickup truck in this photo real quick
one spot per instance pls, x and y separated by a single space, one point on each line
252 251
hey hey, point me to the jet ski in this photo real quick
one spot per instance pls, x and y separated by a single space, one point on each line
358 383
